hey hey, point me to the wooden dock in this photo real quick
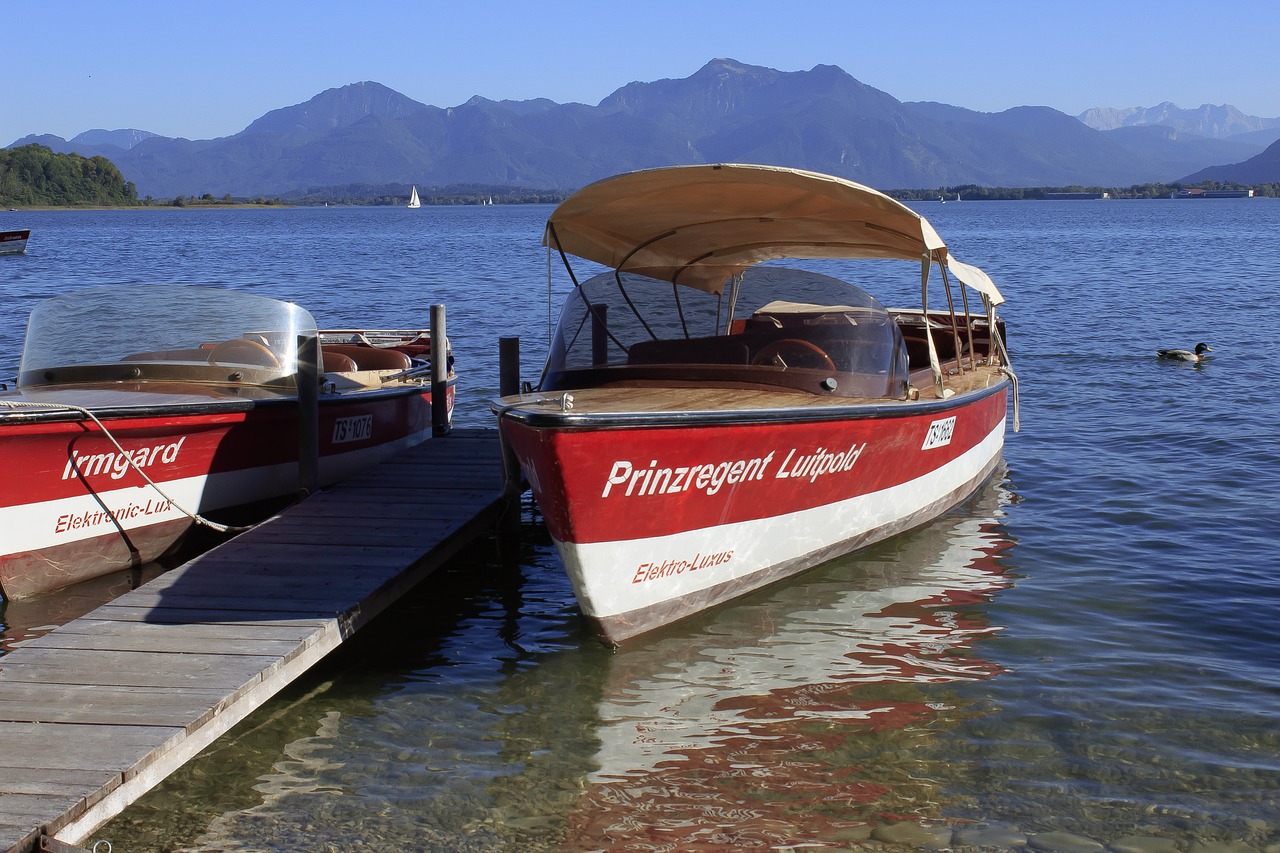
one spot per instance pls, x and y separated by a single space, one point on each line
98 711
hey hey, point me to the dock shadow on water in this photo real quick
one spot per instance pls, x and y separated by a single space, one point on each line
479 714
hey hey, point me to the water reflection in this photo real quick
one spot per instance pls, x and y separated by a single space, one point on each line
796 716
483 715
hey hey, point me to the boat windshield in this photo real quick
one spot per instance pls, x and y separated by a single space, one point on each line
787 327
163 332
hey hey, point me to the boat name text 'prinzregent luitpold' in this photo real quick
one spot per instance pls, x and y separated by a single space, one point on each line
117 464
711 477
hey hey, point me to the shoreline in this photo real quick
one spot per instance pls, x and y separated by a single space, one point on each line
237 206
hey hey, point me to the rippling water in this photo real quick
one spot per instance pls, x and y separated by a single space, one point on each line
1086 652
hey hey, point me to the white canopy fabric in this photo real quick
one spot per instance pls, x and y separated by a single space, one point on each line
700 225
975 278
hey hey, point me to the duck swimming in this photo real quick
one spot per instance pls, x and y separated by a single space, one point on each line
1185 355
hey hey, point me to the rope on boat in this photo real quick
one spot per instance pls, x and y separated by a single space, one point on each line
194 516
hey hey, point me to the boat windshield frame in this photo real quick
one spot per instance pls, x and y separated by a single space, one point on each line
162 332
778 328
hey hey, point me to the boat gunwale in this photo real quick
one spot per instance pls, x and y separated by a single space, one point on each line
33 411
523 411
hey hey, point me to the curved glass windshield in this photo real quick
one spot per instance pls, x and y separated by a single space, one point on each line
782 320
194 333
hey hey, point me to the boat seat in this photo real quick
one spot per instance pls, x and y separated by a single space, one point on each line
719 349
371 358
336 362
200 355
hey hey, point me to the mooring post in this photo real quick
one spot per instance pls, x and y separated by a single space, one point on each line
509 383
308 379
439 373
509 522
508 366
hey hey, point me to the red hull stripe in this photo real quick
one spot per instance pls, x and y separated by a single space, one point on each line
50 461
640 482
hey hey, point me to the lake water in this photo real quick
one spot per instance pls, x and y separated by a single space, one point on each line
1085 653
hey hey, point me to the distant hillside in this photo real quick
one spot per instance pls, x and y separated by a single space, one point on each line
1262 169
34 175
823 119
1167 150
125 139
1216 122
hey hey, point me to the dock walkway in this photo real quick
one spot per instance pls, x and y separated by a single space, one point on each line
98 711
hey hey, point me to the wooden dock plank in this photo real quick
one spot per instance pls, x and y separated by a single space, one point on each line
97 711
133 669
106 705
43 781
128 632
78 747
139 642
122 611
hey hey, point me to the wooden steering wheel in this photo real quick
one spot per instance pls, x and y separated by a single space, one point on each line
243 351
802 353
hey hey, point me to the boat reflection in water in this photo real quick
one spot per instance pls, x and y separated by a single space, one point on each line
803 714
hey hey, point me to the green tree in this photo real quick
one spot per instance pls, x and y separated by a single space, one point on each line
35 175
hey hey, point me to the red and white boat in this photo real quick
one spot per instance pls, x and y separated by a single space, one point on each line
706 425
139 407
13 242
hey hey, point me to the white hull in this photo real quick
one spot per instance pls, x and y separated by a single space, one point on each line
686 572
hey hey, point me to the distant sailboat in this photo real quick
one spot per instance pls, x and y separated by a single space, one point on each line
413 198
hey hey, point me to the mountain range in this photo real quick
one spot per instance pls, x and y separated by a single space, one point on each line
822 119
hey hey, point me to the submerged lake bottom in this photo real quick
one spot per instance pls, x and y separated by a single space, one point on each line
1084 655
871 705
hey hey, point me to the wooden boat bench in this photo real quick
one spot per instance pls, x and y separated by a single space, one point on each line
369 358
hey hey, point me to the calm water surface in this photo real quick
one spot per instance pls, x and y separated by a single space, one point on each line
1086 652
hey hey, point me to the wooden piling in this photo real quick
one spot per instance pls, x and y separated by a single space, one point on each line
308 379
508 366
440 423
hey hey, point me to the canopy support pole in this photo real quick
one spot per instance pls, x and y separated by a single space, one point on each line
735 282
591 307
968 326
951 310
928 328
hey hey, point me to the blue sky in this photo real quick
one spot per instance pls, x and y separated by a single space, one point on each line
205 69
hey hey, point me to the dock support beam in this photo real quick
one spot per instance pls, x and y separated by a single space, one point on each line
509 524
308 379
439 373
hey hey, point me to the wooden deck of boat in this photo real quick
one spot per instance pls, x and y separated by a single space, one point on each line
647 397
97 711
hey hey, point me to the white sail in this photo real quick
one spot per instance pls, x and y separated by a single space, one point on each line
413 198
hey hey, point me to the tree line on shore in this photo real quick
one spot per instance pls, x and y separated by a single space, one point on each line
1153 190
35 176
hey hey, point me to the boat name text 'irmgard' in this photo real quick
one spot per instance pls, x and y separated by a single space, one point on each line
117 464
711 477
